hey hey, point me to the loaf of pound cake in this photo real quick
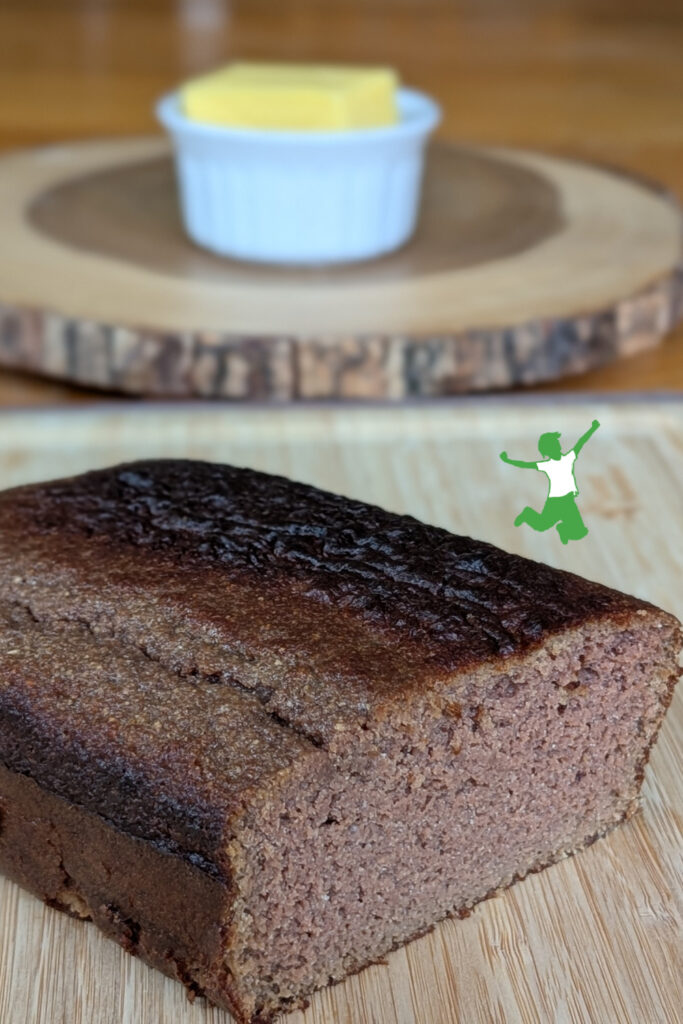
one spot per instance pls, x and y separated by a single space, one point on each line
261 734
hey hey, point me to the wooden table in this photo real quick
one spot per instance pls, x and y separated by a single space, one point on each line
599 79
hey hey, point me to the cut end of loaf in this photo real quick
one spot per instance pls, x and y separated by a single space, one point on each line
450 800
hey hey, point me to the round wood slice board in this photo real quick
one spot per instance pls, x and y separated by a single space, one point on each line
524 268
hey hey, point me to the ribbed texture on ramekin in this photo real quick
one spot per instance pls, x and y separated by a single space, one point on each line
301 197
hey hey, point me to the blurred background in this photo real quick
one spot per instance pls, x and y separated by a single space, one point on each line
597 79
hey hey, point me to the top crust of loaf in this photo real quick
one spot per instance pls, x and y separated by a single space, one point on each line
461 600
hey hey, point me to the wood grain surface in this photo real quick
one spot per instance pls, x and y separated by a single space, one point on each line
523 268
595 79
121 201
593 940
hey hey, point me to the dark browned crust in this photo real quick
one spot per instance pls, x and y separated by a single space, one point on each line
461 599
155 905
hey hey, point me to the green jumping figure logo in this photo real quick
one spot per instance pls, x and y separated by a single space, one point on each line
560 506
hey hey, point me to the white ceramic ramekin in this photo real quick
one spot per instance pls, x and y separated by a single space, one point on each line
301 197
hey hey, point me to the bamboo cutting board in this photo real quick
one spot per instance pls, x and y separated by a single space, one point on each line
523 268
592 940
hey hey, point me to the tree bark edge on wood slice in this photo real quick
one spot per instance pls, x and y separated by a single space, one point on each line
394 367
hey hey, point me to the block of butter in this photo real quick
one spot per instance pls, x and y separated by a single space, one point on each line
299 97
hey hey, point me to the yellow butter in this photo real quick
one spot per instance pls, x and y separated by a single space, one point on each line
286 97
